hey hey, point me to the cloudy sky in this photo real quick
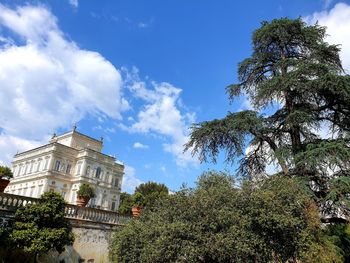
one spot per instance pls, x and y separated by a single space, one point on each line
137 73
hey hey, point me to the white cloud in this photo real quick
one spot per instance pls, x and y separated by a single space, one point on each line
337 21
138 145
162 115
74 3
11 144
130 181
327 3
48 82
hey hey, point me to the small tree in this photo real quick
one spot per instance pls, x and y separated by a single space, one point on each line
152 192
41 227
5 172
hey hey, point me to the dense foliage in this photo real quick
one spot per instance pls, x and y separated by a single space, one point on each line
86 190
126 203
152 191
5 172
146 195
138 199
41 227
269 221
298 77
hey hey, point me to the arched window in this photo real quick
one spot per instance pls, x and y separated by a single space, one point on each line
88 171
98 172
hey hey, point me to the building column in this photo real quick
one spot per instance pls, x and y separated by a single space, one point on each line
83 168
50 166
46 185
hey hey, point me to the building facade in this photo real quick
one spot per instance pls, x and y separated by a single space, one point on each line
65 163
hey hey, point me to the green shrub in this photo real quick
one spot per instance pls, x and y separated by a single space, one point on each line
87 191
5 172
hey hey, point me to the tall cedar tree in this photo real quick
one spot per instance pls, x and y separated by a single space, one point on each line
292 65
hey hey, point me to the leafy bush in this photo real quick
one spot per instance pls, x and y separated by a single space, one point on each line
138 199
87 191
41 227
151 192
5 172
273 220
125 203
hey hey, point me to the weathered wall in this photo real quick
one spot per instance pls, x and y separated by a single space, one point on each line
90 245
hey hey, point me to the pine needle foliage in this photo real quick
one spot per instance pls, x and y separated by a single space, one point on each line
297 74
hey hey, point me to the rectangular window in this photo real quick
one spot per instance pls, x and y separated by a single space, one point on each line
98 173
116 182
38 167
25 168
78 168
31 168
46 163
57 165
68 168
113 206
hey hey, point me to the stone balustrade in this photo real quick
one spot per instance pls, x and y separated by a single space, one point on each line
10 202
95 215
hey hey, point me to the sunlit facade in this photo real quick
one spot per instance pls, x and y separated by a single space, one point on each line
63 165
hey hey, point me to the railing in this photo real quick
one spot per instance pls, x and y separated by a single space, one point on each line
12 202
95 215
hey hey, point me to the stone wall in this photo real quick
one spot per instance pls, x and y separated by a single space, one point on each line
90 245
93 229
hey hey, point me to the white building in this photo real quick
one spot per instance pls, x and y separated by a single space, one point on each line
63 165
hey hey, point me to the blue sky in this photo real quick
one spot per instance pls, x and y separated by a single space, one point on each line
137 73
